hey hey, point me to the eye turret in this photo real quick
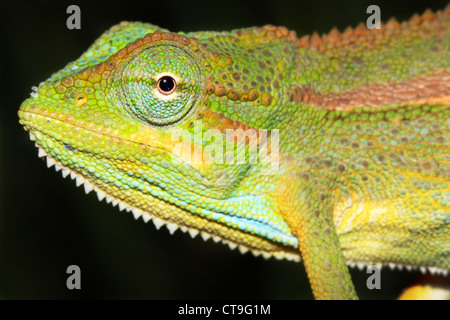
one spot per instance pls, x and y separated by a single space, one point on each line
160 86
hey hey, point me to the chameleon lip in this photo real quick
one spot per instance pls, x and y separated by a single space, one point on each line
29 123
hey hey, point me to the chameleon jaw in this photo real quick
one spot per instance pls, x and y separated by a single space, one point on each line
158 222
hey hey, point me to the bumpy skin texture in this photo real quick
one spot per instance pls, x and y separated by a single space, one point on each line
363 120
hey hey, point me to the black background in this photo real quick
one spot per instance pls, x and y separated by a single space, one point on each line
47 224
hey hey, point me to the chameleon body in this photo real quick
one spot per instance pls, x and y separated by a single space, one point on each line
354 126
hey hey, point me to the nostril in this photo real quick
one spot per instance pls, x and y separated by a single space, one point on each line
80 100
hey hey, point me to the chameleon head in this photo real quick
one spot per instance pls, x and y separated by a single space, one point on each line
129 122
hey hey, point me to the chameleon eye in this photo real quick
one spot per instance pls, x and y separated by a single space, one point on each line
166 85
160 86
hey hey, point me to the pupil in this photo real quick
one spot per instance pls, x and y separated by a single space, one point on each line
166 83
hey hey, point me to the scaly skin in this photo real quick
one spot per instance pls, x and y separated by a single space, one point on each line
363 120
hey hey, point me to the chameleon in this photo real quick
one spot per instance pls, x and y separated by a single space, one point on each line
331 150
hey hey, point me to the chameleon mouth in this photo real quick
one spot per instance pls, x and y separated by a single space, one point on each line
35 118
26 116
